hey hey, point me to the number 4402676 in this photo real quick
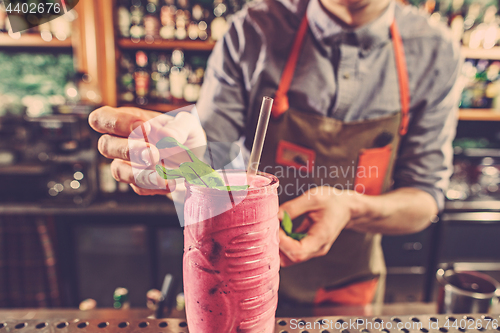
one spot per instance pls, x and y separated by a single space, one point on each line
33 8
469 323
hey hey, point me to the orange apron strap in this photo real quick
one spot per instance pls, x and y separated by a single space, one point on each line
360 293
280 104
404 85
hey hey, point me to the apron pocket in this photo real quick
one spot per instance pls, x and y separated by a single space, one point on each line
372 169
290 154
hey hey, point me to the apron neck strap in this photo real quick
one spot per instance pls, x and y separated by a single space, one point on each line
404 82
281 104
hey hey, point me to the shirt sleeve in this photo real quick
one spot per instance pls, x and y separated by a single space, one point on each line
222 103
426 154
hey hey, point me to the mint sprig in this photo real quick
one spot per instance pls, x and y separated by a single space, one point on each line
195 172
287 226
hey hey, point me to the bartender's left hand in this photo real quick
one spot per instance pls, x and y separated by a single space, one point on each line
328 210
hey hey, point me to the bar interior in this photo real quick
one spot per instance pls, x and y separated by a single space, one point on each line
91 240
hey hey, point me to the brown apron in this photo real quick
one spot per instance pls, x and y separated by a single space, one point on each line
303 149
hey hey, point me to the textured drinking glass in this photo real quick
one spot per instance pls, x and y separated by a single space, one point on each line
231 260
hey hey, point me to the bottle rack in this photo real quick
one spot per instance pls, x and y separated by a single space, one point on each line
98 65
33 40
194 45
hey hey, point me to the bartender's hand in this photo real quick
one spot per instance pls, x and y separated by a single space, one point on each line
327 212
119 144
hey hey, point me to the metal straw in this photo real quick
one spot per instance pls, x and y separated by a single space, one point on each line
260 135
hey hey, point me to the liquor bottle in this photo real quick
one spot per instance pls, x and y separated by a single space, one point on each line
443 7
429 6
141 78
480 84
456 19
45 31
198 26
195 77
3 18
471 23
107 184
181 22
120 299
167 18
124 18
60 27
155 76
137 30
219 25
183 4
490 27
163 83
126 79
178 77
152 21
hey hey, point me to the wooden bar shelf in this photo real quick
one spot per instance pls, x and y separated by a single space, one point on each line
480 53
479 114
33 40
464 114
192 45
159 107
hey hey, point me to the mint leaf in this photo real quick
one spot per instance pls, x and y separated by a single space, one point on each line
297 236
199 173
167 142
287 226
286 223
168 173
196 172
232 188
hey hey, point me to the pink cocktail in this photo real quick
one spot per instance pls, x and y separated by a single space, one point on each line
231 260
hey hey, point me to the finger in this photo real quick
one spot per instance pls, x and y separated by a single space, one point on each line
146 179
291 248
136 151
316 243
318 240
299 206
120 121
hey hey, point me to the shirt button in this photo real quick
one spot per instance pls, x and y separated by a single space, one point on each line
346 75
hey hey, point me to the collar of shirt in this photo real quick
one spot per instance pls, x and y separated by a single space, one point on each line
367 37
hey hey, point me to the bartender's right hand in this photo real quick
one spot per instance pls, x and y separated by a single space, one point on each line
127 144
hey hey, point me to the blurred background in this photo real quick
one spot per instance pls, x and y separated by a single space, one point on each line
70 235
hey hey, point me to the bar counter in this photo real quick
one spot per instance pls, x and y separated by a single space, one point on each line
365 319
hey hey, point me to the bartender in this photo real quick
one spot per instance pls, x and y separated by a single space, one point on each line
365 108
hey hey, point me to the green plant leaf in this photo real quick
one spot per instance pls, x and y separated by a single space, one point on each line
168 173
232 188
286 223
167 142
287 226
196 172
297 236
